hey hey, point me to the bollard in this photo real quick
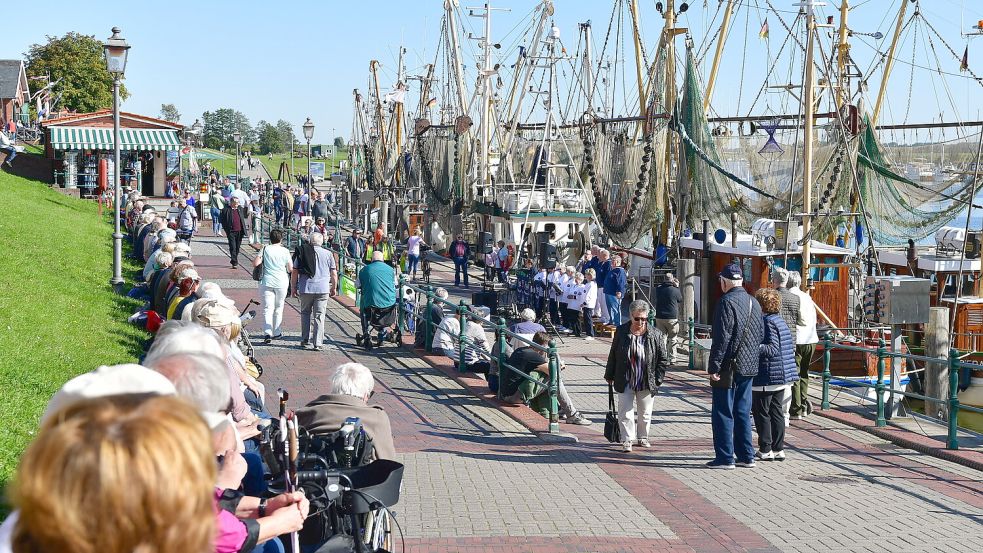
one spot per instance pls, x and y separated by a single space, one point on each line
462 335
500 332
952 440
879 386
554 367
827 376
692 343
401 304
428 331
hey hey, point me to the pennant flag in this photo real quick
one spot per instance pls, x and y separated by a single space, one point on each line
763 33
964 65
431 103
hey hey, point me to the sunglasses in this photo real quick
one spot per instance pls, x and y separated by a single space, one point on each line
639 319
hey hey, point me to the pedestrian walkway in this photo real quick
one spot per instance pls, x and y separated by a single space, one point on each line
478 480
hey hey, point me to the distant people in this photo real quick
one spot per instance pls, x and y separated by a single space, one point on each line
806 339
460 252
737 331
319 207
527 326
476 350
531 361
589 305
667 300
433 317
566 281
351 386
187 221
276 268
315 278
603 267
776 373
615 285
413 245
502 264
636 367
355 245
575 303
215 206
233 220
7 145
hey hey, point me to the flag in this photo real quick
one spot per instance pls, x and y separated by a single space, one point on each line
431 103
964 65
763 33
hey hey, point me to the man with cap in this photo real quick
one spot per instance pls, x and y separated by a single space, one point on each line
737 332
233 219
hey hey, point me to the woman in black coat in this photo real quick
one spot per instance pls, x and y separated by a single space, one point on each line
636 368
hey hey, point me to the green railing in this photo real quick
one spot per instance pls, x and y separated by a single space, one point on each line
882 385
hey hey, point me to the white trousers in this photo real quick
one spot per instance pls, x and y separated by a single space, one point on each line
273 299
602 308
632 426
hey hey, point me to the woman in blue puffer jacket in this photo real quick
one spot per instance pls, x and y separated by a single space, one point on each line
776 372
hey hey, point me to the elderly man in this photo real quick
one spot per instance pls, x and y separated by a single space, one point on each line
806 339
319 207
314 278
737 332
446 340
377 280
233 220
602 269
351 387
187 221
527 325
615 284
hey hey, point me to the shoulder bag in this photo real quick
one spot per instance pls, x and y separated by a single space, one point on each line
612 430
727 374
258 269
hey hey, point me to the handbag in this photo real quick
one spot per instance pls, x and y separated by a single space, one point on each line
612 430
727 375
258 269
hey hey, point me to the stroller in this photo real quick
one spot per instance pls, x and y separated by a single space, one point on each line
383 320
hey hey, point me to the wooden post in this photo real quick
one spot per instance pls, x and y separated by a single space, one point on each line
707 281
936 374
686 273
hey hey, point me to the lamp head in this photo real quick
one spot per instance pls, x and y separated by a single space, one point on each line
115 50
308 129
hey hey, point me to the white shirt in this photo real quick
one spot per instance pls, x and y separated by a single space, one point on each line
590 294
578 291
806 333
447 333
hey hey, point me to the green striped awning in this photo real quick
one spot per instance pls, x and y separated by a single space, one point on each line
98 138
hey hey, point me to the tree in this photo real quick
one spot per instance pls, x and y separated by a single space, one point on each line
76 62
168 112
269 139
287 135
221 124
339 142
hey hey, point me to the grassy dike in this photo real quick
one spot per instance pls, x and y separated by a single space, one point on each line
58 315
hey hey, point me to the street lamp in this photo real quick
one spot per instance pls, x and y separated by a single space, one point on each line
115 50
308 127
237 137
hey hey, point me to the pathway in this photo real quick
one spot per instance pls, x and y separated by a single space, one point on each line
479 480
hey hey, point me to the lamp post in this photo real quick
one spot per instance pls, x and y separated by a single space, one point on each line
237 137
115 50
308 135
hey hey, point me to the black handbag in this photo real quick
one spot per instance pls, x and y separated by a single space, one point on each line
612 430
727 373
258 269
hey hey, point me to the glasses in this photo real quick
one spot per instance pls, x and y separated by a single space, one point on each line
639 319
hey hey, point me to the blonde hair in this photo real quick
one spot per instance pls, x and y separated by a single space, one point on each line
98 463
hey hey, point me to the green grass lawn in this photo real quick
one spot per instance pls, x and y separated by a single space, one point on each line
300 163
58 315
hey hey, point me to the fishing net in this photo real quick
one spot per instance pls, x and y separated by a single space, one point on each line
439 164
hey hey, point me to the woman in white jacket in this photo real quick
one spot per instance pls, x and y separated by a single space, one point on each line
589 302
575 302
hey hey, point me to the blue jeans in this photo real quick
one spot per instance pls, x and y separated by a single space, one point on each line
278 212
216 223
730 418
12 153
614 308
411 262
460 266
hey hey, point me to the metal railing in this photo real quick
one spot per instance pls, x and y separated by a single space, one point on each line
883 390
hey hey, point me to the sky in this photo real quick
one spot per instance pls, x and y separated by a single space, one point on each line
292 60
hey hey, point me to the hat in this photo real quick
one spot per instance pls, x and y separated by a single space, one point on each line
181 248
215 313
109 380
732 272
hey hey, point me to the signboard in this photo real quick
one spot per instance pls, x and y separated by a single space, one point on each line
329 150
173 162
317 169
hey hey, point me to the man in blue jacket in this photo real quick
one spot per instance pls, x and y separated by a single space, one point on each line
737 333
614 289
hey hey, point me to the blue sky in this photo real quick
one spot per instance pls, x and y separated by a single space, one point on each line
292 59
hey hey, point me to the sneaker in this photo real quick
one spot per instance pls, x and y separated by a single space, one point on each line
589 339
779 455
770 456
747 464
626 447
644 442
317 348
304 344
579 420
720 465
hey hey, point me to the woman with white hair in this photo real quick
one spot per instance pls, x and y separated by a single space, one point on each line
589 288
575 302
352 385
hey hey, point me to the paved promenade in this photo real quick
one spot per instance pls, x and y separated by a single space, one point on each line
479 479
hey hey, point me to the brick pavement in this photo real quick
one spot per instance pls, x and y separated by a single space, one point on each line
477 479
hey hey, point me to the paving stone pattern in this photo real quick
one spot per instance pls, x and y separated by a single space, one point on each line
478 480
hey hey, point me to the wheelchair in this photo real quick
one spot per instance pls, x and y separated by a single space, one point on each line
383 321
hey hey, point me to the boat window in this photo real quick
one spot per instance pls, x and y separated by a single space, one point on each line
550 228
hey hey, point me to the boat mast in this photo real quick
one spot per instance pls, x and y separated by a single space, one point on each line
843 56
890 62
455 51
398 114
808 100
721 39
380 121
588 64
639 62
669 100
487 95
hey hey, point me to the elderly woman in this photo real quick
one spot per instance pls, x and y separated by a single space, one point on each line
636 368
777 371
187 292
314 279
575 302
99 461
276 266
153 263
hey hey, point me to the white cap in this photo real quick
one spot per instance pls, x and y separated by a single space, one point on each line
109 380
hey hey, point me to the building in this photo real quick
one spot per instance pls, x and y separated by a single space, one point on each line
15 95
81 148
